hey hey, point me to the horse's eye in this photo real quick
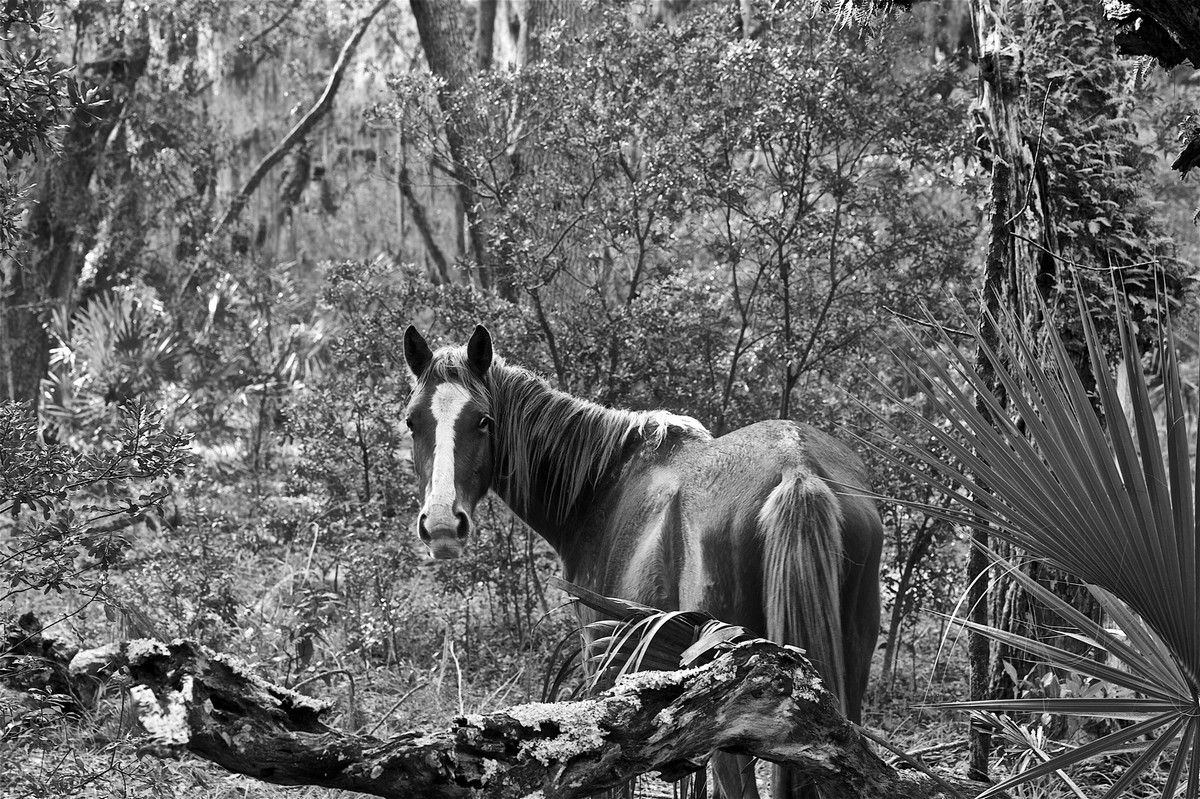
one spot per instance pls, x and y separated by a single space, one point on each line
408 422
485 423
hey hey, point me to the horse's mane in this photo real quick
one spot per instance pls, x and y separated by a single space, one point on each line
546 434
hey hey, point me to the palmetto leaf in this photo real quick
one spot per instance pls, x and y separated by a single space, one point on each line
1099 500
631 637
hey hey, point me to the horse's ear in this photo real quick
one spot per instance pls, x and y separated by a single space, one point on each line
479 350
416 352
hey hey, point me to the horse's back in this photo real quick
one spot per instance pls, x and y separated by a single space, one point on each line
681 528
744 467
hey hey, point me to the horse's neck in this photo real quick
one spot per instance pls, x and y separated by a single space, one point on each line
560 526
534 513
557 450
569 539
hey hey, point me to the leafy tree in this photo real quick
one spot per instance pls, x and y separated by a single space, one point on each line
38 96
67 511
782 193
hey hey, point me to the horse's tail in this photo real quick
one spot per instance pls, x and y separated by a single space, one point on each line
800 524
801 529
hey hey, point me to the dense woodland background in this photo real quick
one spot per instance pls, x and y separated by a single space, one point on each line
218 219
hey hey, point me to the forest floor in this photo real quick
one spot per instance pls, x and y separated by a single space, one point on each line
274 599
49 753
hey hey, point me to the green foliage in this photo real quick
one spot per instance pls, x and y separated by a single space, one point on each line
67 511
1102 502
117 348
1094 164
38 93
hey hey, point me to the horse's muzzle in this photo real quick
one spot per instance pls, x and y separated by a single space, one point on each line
445 532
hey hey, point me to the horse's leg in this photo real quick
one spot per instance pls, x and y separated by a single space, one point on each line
733 777
860 629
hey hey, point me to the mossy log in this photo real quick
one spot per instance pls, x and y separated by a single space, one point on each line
757 699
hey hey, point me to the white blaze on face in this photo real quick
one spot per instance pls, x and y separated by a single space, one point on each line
447 405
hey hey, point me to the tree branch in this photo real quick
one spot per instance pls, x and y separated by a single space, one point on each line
757 699
306 123
421 219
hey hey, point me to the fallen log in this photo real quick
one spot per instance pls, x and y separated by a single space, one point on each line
758 699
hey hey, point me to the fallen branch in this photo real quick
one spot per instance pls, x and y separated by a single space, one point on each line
758 699
306 123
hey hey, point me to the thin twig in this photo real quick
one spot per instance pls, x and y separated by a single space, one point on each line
397 704
909 759
929 750
1076 264
1033 161
953 331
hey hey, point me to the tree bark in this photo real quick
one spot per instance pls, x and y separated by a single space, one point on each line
756 699
1020 283
449 52
1166 30
1001 81
485 28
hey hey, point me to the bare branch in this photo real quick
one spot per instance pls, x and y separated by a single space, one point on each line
421 219
306 123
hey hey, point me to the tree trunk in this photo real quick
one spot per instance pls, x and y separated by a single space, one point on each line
61 227
1001 80
485 28
24 342
450 53
756 699
1020 282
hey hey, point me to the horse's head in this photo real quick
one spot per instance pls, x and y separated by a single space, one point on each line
453 447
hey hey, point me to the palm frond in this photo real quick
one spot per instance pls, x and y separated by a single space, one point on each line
631 637
1098 496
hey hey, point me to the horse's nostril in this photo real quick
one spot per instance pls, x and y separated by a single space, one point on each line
422 531
464 524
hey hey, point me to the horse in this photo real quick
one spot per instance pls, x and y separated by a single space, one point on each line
769 527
